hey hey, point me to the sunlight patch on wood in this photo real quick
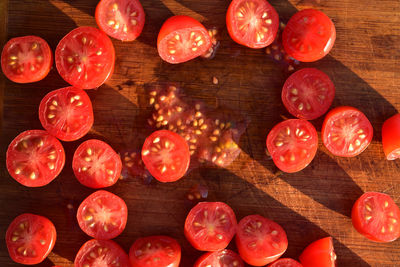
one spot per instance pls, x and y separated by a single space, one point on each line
178 9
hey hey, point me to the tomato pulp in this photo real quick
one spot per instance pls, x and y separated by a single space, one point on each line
222 258
286 262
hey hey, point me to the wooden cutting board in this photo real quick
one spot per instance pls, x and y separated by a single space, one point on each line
311 204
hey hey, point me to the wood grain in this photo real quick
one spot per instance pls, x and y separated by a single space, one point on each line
311 204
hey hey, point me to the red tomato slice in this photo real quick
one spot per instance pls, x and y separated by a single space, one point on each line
102 215
253 23
286 262
66 113
96 164
391 137
292 144
259 240
309 35
308 93
223 258
155 251
166 155
210 226
377 217
346 131
319 254
181 39
104 253
85 58
30 238
35 158
120 19
26 59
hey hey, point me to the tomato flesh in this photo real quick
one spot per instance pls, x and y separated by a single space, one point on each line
96 164
346 132
308 93
66 113
30 238
319 254
210 226
223 258
391 137
286 262
253 23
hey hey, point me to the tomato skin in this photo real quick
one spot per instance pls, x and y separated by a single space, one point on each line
391 137
43 229
285 262
320 253
221 258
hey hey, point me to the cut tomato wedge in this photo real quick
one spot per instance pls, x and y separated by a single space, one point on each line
223 258
319 254
286 262
391 137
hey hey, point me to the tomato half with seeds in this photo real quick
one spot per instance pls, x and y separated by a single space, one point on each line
391 137
181 39
292 144
222 258
96 164
26 59
66 113
346 131
286 262
377 217
155 251
102 215
309 35
259 240
85 58
166 155
30 238
253 23
308 93
210 226
120 19
320 253
104 253
35 158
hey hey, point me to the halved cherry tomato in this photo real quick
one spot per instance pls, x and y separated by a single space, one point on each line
346 131
391 137
181 39
155 251
85 58
259 240
104 253
66 113
309 35
319 254
292 144
121 19
102 215
166 155
253 23
30 238
377 217
26 59
96 164
35 158
286 262
210 226
308 93
223 258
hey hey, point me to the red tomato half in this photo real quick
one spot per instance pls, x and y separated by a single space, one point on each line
210 226
35 158
181 39
346 131
260 241
85 58
26 59
166 155
319 254
377 217
286 262
104 253
223 258
309 35
253 23
391 137
308 93
96 164
121 19
102 215
66 113
155 251
292 144
30 238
